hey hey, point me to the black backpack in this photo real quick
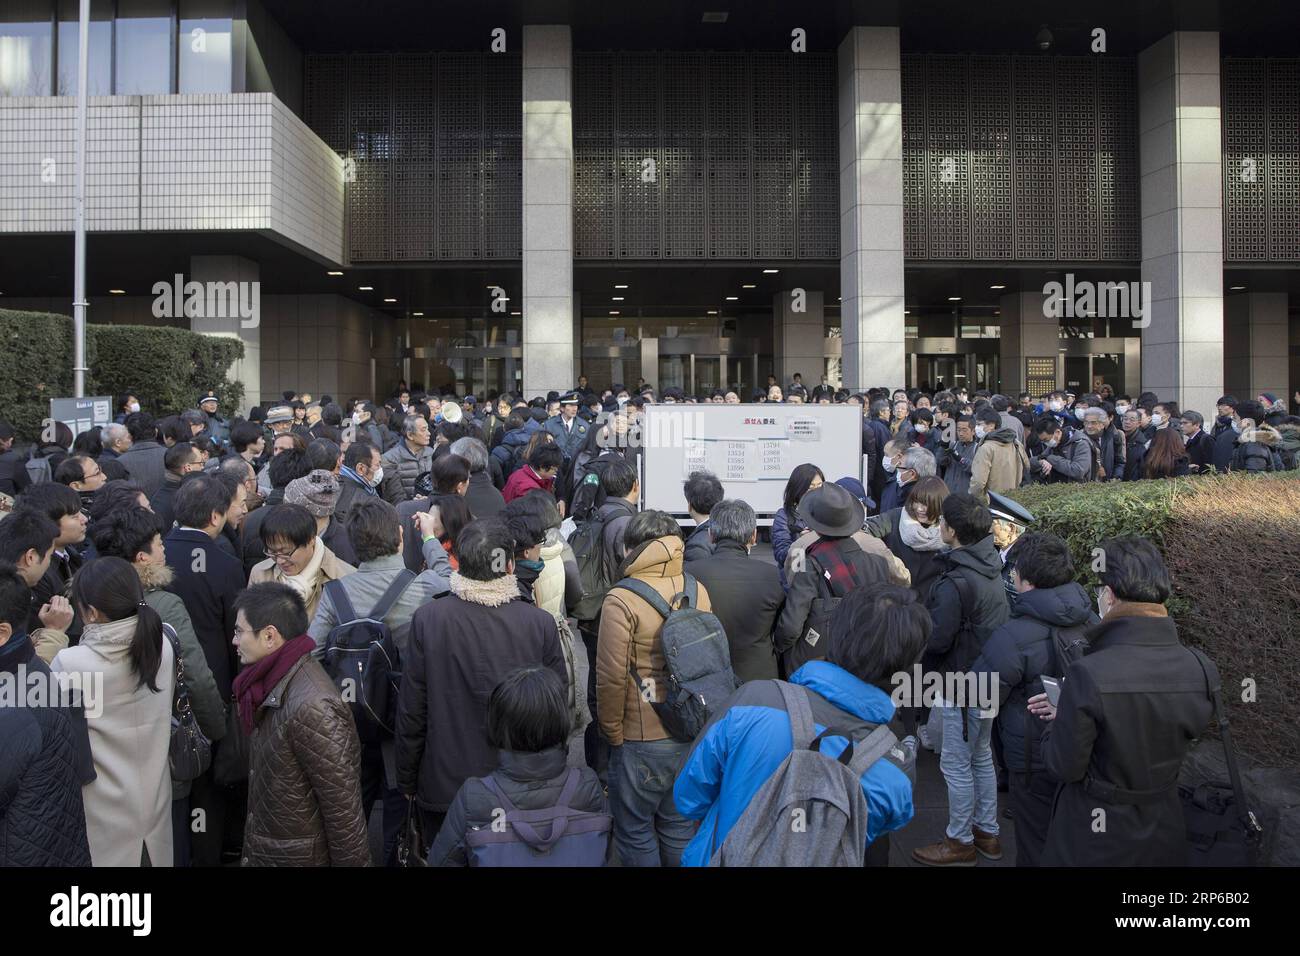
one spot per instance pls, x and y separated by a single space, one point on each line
588 544
361 657
1069 644
1255 457
698 656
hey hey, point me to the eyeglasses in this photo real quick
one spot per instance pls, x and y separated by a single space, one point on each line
244 630
281 555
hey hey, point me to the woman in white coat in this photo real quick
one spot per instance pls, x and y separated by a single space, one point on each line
132 668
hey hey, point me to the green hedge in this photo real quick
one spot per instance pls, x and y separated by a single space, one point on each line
166 367
1232 546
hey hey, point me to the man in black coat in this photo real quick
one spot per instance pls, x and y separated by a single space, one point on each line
208 579
1128 712
745 593
61 505
450 477
1048 602
13 465
1225 446
461 646
285 467
179 461
702 491
143 461
42 768
481 495
1135 445
1200 446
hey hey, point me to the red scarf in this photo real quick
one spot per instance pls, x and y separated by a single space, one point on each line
254 682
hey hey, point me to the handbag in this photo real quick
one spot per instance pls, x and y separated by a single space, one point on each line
411 848
189 752
1222 829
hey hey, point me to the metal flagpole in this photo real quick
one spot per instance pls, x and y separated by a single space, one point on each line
79 303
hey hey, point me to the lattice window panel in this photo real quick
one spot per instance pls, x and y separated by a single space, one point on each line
915 195
1034 168
729 124
1284 159
1118 219
370 125
817 204
502 157
1076 157
414 176
460 161
595 195
773 189
640 215
326 95
684 157
948 156
1245 160
992 210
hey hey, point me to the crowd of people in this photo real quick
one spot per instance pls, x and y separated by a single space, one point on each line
458 611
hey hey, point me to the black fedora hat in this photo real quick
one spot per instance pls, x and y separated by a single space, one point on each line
832 511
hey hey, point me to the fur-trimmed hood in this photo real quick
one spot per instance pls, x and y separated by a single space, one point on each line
492 593
154 577
1264 434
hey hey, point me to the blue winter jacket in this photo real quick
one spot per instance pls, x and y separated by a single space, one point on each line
743 744
514 443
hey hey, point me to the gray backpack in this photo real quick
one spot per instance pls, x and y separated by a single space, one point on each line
811 811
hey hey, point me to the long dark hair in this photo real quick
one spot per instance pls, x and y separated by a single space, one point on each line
1167 449
797 486
112 587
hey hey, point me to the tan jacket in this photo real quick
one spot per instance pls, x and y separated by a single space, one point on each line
331 569
304 779
997 466
629 635
48 642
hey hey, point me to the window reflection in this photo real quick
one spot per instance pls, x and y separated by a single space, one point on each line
144 47
205 57
99 69
26 49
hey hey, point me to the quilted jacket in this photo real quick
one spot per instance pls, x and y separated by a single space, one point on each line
304 778
42 820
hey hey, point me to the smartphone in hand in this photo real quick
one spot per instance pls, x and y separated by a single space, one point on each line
1052 687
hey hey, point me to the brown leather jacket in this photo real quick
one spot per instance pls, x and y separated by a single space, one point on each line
304 779
629 634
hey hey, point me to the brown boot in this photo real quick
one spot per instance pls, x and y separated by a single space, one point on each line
948 852
987 845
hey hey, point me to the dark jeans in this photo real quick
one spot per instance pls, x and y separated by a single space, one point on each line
221 825
374 786
181 832
595 749
1031 806
648 830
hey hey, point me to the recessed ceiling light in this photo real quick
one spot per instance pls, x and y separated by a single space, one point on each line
418 314
907 311
954 298
613 313
713 311
516 313
617 298
1237 288
733 298
749 286
997 313
770 271
390 300
997 287
620 287
117 292
334 273
366 288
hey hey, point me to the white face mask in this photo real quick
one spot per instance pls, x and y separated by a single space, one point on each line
900 479
356 418
980 431
133 407
377 477
1056 405
1120 410
1079 412
888 465
1157 420
921 428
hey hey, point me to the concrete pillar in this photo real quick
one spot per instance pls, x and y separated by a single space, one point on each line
1256 342
1180 161
548 307
226 269
1030 341
799 337
871 207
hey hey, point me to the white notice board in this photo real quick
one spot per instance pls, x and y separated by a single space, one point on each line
751 448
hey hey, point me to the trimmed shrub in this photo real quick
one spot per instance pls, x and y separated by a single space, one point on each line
166 367
1232 546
